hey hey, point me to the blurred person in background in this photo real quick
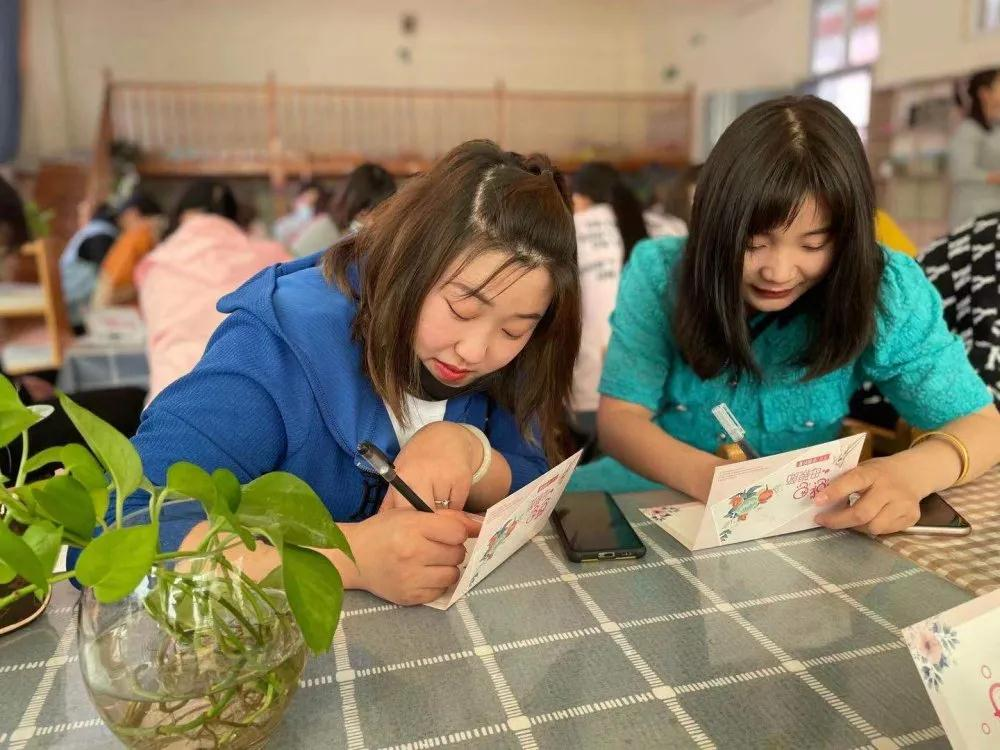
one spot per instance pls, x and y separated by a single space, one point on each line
310 196
670 213
81 260
974 153
204 256
609 222
366 187
139 222
118 406
13 229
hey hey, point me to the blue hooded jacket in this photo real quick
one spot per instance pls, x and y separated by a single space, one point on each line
281 387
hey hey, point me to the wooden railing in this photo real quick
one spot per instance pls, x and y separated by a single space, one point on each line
277 130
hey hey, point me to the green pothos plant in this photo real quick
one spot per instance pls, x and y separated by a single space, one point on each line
72 507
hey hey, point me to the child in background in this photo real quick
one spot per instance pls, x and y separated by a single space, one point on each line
781 304
288 227
671 210
205 255
444 332
140 229
366 187
81 260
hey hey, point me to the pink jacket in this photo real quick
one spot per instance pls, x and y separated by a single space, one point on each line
181 280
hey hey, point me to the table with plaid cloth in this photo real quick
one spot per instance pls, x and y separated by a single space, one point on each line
788 642
972 561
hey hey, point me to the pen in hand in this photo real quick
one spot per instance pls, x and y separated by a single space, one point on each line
725 417
385 469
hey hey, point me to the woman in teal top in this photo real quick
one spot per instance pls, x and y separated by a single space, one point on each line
780 303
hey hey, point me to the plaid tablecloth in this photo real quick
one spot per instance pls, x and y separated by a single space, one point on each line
973 561
792 642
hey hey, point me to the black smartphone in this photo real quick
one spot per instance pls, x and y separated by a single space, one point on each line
592 527
937 517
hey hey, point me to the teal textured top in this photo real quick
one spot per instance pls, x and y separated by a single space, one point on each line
915 361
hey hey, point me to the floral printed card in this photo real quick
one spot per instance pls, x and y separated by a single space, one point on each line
760 498
958 656
507 526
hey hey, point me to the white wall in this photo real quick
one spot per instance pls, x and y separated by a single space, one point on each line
530 44
931 38
726 46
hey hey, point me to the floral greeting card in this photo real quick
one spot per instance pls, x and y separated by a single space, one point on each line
958 656
507 526
760 498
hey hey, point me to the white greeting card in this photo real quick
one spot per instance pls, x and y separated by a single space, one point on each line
958 656
759 498
507 526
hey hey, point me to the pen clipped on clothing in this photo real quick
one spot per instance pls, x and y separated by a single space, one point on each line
381 463
725 417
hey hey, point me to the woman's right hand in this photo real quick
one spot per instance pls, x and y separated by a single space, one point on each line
408 557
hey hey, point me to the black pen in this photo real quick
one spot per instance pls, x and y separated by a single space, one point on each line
381 463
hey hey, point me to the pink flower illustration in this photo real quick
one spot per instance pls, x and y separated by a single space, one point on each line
929 646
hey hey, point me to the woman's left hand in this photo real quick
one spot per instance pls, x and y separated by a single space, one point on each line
438 463
887 504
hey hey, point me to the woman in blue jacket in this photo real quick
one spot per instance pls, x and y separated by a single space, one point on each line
444 332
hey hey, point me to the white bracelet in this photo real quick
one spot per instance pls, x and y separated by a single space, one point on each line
484 467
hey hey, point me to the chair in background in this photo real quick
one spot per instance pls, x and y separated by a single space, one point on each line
33 316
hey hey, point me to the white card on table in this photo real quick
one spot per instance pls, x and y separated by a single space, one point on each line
507 526
759 498
958 656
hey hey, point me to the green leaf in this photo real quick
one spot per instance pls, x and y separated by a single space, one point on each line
21 504
45 541
66 501
192 481
19 557
15 421
117 561
282 502
212 491
6 573
48 456
99 498
227 499
84 467
8 395
273 580
227 487
111 447
315 594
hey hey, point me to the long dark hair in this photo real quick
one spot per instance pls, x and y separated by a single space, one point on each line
13 223
601 183
969 99
366 187
475 200
208 196
766 164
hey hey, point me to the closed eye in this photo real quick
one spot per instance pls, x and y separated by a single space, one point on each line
515 336
455 313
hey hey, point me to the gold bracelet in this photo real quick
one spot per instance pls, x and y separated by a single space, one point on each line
957 444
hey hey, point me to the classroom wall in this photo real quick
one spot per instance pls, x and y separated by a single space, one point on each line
931 38
554 44
725 46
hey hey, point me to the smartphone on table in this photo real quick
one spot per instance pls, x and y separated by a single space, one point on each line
937 517
591 526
